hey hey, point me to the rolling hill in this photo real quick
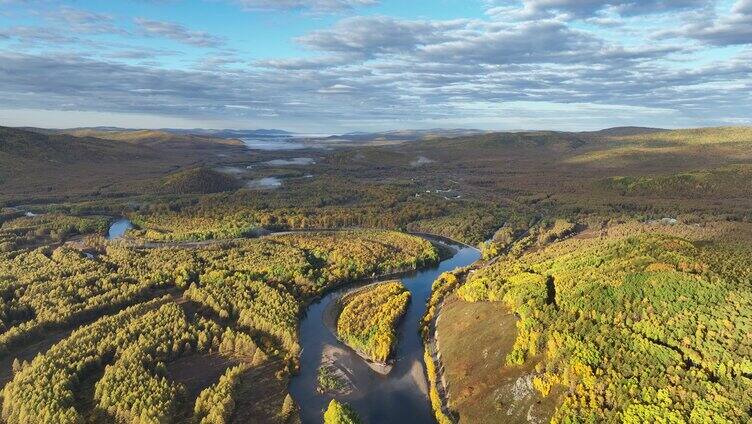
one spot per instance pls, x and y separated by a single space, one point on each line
49 164
157 138
22 148
199 180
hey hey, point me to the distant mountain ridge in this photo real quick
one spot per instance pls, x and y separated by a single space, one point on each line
624 131
203 132
158 138
407 135
354 136
392 135
231 133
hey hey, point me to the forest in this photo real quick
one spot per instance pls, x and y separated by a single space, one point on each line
638 326
325 203
614 284
135 310
369 316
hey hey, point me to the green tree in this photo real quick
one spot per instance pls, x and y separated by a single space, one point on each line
340 413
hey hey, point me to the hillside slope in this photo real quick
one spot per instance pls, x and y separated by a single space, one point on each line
36 165
636 325
21 148
197 181
156 138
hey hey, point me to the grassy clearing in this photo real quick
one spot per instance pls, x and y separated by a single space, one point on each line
475 340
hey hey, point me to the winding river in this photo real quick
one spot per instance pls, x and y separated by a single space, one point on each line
399 397
402 395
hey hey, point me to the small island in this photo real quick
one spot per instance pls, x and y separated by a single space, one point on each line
368 319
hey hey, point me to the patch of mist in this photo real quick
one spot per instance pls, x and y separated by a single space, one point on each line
265 183
291 162
420 161
230 170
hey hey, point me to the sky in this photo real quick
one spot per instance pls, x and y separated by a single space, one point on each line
333 66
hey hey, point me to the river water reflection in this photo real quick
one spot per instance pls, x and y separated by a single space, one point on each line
401 396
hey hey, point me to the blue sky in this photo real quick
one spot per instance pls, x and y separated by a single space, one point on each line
330 66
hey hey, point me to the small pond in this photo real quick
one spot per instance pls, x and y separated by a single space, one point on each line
118 228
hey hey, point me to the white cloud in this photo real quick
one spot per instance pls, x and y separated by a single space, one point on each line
314 5
534 9
732 29
177 33
581 61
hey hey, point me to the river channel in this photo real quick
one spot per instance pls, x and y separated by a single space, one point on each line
399 397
